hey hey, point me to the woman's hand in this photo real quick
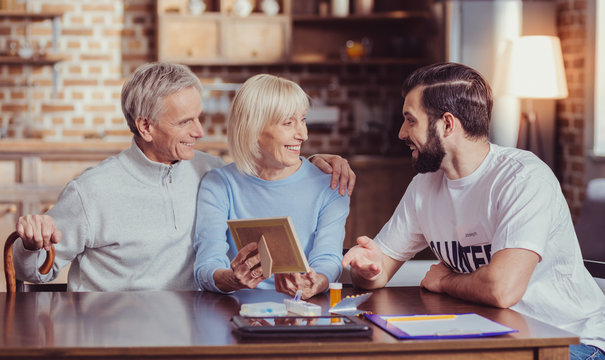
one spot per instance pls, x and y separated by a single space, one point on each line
245 271
310 283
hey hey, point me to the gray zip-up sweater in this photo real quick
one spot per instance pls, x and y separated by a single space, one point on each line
127 224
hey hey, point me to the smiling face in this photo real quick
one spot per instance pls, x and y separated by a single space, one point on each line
419 135
279 145
172 137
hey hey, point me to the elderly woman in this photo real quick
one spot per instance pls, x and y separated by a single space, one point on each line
268 178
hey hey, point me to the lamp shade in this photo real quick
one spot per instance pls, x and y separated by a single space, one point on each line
536 69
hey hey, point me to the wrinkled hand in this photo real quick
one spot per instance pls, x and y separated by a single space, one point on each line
246 268
38 231
310 283
342 174
432 279
365 258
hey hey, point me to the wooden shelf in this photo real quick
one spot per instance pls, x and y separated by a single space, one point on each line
329 62
15 60
29 15
221 38
205 15
43 148
368 61
383 16
48 60
218 15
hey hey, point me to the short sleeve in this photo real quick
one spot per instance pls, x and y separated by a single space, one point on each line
526 212
401 237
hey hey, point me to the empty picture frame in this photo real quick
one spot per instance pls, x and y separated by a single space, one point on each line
282 253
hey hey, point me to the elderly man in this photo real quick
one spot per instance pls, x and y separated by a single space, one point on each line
494 216
127 223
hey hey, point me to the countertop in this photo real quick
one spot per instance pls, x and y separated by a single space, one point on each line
93 146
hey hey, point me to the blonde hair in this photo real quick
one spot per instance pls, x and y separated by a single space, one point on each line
262 100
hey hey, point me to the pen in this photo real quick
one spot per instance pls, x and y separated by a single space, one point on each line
298 295
420 317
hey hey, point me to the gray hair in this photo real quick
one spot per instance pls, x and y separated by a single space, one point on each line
149 84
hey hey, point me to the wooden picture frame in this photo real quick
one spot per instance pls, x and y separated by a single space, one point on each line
278 244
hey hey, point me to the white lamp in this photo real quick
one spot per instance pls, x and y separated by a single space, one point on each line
536 71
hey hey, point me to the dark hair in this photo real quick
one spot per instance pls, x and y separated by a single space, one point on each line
457 89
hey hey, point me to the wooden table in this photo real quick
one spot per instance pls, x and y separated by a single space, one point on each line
196 325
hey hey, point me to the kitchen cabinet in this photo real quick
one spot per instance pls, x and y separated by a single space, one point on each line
400 32
219 36
38 54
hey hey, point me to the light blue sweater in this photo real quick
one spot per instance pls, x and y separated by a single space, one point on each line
318 213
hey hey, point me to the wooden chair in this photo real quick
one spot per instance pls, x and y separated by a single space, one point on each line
12 284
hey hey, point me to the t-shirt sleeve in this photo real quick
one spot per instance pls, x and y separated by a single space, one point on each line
401 237
526 209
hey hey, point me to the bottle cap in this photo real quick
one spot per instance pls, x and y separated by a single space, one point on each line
336 286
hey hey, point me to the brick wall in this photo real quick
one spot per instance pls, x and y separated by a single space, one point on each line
571 117
89 81
102 41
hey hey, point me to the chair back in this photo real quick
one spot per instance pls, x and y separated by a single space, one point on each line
9 267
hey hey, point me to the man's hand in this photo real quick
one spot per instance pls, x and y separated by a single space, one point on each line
310 283
365 259
432 279
342 175
38 231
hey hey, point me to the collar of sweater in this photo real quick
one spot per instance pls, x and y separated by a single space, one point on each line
147 171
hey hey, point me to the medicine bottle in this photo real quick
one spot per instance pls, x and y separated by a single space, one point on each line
335 293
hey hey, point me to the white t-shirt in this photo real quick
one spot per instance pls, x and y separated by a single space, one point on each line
513 200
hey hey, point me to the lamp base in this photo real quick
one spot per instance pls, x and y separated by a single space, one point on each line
529 137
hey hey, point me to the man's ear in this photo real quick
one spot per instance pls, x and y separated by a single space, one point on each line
450 122
144 126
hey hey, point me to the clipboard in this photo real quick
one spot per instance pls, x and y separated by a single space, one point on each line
440 326
278 246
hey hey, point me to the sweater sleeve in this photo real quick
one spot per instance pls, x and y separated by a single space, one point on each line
326 255
70 218
210 241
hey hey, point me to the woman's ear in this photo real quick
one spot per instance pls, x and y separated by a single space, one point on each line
144 127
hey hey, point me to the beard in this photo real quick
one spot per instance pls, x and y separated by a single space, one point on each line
432 154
